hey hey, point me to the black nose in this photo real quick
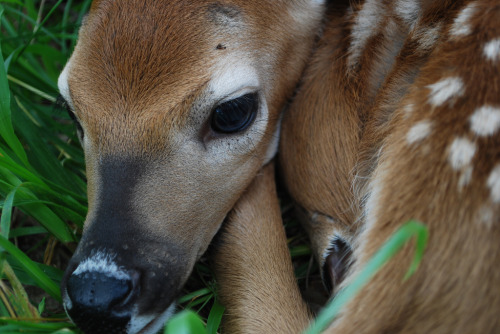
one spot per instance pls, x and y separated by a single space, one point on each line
100 303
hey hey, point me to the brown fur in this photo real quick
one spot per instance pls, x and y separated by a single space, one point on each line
345 136
261 238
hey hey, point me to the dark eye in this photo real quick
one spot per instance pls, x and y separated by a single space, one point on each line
62 103
235 115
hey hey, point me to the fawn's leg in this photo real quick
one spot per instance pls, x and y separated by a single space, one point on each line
253 265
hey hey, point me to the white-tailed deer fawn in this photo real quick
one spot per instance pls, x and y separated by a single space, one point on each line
178 106
397 118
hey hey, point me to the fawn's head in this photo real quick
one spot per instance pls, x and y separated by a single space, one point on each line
177 105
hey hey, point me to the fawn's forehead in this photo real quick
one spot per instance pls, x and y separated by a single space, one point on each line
138 64
135 55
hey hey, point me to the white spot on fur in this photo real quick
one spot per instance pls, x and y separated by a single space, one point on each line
461 26
485 121
444 90
461 152
307 13
419 131
366 24
465 177
486 216
408 10
153 322
101 263
494 184
428 36
408 110
491 50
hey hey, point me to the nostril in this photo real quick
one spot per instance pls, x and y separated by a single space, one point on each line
98 298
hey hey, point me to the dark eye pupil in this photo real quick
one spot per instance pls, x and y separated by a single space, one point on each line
235 115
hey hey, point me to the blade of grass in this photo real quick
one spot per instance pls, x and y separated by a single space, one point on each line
7 214
37 29
194 295
53 273
32 89
32 269
6 128
17 2
215 317
45 326
24 231
43 214
18 297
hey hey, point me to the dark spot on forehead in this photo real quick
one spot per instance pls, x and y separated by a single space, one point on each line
229 16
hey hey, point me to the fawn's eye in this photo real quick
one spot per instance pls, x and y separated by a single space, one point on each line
61 102
235 115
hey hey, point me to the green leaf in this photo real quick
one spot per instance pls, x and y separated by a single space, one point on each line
17 2
194 295
215 317
42 213
41 306
32 269
186 322
54 274
7 214
24 231
6 129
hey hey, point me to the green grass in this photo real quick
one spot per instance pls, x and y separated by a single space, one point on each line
42 180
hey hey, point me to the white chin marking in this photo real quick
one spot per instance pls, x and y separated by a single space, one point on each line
150 324
103 263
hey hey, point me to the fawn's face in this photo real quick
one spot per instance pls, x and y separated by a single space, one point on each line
178 107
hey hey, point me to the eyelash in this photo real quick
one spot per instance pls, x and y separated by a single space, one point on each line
63 104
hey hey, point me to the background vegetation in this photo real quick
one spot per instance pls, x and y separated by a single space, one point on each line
42 182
